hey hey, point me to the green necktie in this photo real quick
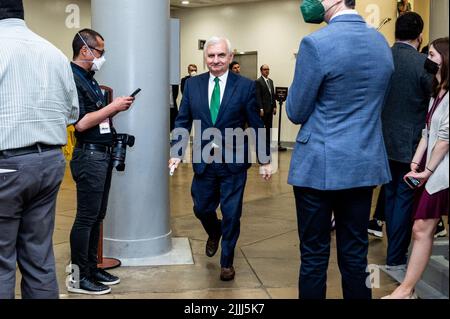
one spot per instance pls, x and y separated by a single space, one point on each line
215 101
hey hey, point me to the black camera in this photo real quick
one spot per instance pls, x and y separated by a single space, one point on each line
119 150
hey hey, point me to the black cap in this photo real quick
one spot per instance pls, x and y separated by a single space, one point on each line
11 9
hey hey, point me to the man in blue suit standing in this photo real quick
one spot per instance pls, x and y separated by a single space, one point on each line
341 80
219 100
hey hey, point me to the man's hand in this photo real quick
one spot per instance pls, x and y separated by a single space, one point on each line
274 111
266 171
122 103
261 113
173 164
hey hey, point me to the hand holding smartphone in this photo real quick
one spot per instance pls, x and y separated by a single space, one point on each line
412 182
135 93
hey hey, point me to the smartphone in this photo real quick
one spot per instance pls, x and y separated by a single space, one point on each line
412 182
135 93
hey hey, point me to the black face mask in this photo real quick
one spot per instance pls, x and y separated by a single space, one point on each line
431 67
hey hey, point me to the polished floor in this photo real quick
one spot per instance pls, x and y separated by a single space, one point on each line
267 255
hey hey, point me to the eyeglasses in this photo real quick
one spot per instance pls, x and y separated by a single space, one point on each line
102 52
265 69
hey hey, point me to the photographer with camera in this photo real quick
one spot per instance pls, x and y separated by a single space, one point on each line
97 151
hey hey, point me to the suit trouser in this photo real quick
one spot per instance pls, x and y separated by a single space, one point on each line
351 211
381 203
27 219
398 211
173 117
268 123
217 185
92 173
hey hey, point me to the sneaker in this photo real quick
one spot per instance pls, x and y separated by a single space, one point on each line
376 228
440 230
396 267
104 277
88 287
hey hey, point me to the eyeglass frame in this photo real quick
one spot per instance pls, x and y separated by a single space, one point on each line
102 52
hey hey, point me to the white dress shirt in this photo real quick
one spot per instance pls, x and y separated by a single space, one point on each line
222 83
268 85
38 96
341 13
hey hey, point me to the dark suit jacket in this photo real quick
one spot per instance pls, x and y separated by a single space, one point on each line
406 106
183 82
264 100
237 109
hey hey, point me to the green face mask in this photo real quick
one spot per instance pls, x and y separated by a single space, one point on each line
313 11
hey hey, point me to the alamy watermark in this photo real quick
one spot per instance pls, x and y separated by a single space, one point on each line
230 146
373 280
73 17
73 276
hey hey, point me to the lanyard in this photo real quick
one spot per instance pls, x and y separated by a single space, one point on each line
97 92
430 114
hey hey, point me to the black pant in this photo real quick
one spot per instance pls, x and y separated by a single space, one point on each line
381 203
268 123
92 173
351 212
173 117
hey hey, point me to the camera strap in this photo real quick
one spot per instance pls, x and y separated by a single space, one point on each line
94 93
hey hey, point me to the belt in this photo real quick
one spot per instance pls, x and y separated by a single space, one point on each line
93 147
36 148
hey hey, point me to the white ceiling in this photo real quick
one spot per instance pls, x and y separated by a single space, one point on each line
207 3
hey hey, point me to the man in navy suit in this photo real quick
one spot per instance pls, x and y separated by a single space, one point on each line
219 100
340 84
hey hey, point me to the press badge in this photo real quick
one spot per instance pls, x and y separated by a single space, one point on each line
105 128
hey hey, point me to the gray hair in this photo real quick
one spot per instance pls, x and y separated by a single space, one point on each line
216 40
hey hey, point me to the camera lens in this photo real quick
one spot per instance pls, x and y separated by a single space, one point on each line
119 150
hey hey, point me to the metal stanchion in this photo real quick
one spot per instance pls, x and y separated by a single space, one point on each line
281 93
106 263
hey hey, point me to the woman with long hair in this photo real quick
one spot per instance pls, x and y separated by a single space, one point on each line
430 171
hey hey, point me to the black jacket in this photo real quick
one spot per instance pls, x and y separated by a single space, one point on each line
264 100
406 106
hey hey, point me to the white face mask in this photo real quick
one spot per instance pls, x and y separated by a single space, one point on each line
97 63
193 73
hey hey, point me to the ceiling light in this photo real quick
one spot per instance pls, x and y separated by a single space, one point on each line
185 2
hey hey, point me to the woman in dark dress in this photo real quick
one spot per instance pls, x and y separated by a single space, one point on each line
430 166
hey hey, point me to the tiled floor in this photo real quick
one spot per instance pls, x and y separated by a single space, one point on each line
267 256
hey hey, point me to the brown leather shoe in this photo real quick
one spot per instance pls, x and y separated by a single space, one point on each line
212 245
227 274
